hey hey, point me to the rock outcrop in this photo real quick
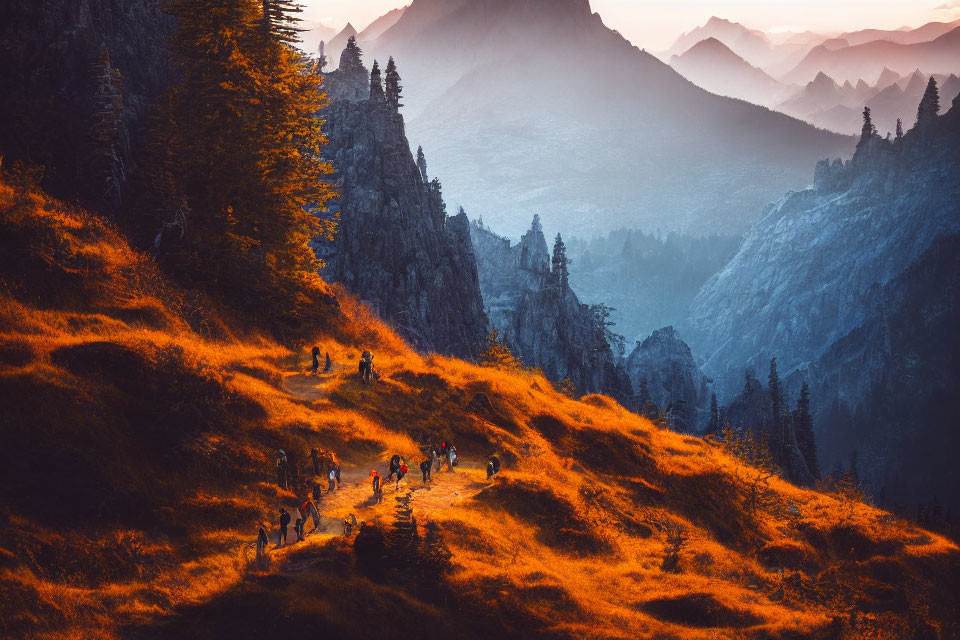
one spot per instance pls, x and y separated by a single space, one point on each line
529 301
395 247
675 383
845 283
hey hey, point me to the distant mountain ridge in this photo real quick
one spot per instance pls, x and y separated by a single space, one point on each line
511 136
711 65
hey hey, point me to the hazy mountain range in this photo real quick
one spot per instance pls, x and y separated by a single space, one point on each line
515 124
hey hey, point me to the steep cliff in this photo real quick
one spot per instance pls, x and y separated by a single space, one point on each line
76 79
395 247
529 301
673 379
847 285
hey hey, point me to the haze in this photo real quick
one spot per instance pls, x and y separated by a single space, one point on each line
655 24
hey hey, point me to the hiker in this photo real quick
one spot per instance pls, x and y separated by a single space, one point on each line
309 508
284 523
315 458
317 492
332 480
377 485
426 467
452 457
282 469
328 365
336 468
394 467
489 469
402 471
495 461
366 367
263 541
316 359
435 457
298 525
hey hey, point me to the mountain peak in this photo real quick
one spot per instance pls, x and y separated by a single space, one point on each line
714 20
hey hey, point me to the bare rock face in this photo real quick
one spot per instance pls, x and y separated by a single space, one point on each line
395 247
540 317
672 376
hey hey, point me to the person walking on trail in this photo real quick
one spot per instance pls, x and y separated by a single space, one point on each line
377 482
309 509
263 542
331 480
315 459
489 470
366 367
336 467
282 469
298 526
402 471
316 359
435 457
317 492
495 461
284 523
394 467
426 468
452 456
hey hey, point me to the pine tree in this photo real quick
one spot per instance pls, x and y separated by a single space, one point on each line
496 353
238 141
422 165
350 58
107 133
376 84
899 134
713 426
279 20
560 262
929 108
777 439
804 429
393 88
868 131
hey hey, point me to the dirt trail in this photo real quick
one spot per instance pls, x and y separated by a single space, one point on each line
355 495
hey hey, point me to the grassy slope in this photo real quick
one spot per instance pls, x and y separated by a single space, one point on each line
139 428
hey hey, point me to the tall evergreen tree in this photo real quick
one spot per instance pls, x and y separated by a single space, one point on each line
899 134
868 131
239 144
279 20
560 262
107 133
929 107
777 440
422 166
393 88
713 426
376 83
804 429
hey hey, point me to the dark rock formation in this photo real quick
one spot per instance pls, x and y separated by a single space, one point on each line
852 287
76 79
673 379
540 317
395 247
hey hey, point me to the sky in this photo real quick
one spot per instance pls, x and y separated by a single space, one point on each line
655 24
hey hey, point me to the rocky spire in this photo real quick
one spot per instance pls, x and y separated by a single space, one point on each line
560 262
393 87
321 58
376 85
422 164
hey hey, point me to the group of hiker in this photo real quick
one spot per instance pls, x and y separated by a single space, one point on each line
364 370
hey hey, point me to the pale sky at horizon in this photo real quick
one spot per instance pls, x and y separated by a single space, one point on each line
655 24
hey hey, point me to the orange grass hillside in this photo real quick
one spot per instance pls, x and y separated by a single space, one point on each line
140 423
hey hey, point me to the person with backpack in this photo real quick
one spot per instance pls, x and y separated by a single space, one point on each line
402 471
317 492
331 480
316 359
282 469
435 457
366 367
394 467
298 525
284 523
263 543
495 461
489 469
452 456
309 509
426 467
377 482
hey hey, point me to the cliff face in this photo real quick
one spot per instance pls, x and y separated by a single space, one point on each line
76 79
540 318
673 378
396 247
848 285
